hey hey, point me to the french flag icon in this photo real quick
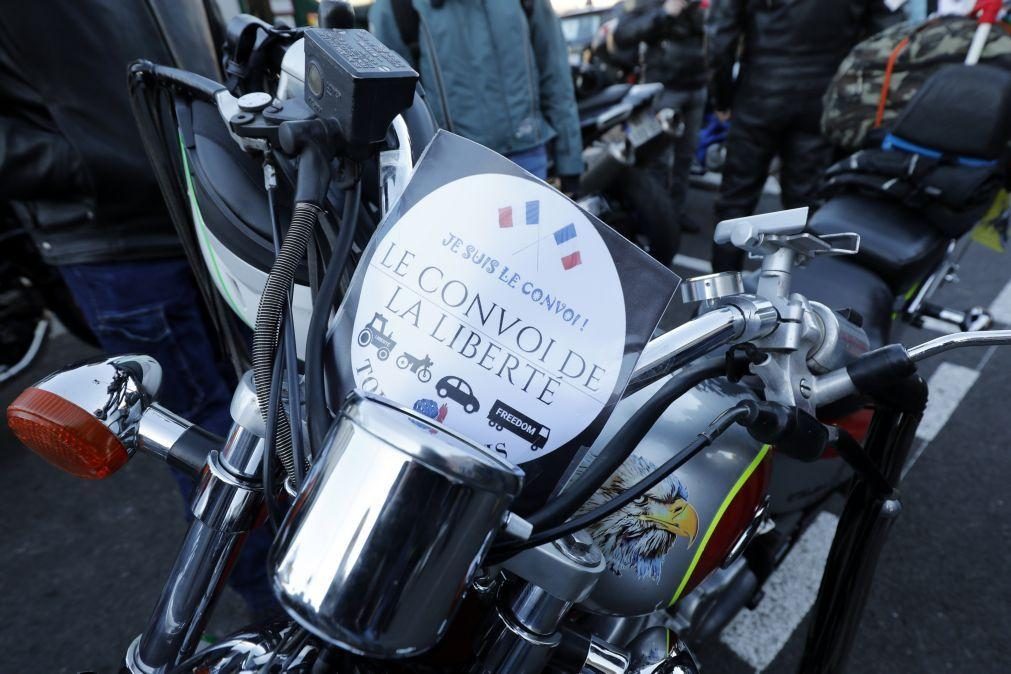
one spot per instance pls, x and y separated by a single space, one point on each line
566 240
531 211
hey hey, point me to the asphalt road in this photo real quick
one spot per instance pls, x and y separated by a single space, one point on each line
84 561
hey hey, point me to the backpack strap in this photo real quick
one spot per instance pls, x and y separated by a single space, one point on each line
408 23
886 83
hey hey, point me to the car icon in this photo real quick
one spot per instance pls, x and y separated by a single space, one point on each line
459 391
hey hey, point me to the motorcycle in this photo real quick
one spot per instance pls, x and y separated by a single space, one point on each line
918 222
623 138
705 472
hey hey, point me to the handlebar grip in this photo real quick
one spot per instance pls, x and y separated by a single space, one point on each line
880 367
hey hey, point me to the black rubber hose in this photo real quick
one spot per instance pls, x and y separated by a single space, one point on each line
716 428
290 350
269 315
274 513
318 414
624 442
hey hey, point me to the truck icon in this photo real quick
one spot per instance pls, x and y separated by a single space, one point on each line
503 416
375 333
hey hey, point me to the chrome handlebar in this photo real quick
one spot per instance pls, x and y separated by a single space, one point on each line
739 319
957 341
837 384
790 330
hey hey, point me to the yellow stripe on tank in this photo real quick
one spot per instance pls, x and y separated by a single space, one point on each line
716 520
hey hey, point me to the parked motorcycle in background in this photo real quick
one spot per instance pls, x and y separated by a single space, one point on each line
403 545
624 137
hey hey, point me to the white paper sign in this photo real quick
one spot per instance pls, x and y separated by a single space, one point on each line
955 6
495 306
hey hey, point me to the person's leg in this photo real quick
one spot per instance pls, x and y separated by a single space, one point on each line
534 161
692 105
751 146
153 307
805 157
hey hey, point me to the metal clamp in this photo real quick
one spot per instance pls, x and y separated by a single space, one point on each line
712 287
769 233
226 500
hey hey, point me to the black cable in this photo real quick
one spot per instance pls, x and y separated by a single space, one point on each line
290 349
318 413
269 319
274 511
624 442
715 429
313 263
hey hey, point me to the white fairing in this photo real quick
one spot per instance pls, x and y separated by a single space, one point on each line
291 84
241 284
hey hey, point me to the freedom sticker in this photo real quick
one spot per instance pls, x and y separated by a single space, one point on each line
494 306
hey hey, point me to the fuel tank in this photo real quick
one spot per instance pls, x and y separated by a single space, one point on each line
660 547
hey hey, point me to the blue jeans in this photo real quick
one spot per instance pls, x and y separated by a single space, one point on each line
534 160
153 307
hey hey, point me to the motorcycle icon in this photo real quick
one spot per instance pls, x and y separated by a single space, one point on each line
419 366
375 333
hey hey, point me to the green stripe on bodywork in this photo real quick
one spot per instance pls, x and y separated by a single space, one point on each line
198 220
907 297
716 520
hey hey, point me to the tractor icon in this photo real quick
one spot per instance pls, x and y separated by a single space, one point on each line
419 366
375 333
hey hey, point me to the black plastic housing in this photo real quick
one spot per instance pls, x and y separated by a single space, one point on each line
353 78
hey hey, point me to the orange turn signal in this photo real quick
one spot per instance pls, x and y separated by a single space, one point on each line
65 435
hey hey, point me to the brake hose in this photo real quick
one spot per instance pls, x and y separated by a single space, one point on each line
715 429
624 442
317 413
268 320
274 512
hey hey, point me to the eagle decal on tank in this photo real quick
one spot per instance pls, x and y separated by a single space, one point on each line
638 537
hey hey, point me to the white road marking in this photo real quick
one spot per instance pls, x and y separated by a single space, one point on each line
693 263
948 385
935 325
758 636
1000 308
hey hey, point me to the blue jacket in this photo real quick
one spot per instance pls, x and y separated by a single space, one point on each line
506 77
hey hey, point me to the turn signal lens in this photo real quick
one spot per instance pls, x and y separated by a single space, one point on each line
65 435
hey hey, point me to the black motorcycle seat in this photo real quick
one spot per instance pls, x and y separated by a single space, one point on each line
839 284
601 100
895 242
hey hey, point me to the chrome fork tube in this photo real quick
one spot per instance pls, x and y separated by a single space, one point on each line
224 509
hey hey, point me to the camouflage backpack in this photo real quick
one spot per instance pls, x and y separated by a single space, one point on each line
882 73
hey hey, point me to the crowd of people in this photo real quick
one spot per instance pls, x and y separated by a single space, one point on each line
75 178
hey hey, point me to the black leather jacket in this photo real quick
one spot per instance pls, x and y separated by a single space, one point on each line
786 47
674 54
71 161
